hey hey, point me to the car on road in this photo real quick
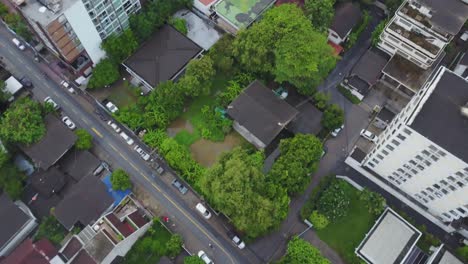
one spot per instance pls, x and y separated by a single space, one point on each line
127 138
114 126
236 240
68 122
111 107
335 132
26 82
142 153
68 87
159 170
368 135
202 210
49 100
204 257
182 189
18 44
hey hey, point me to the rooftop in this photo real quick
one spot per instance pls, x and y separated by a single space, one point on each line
241 13
79 164
308 121
34 10
417 38
389 241
369 66
347 16
48 182
440 119
99 246
31 253
86 202
83 258
386 115
39 205
13 219
162 56
261 112
53 145
73 246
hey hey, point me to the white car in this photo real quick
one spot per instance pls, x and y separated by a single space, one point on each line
52 102
236 240
142 153
204 257
368 135
127 138
112 108
68 122
18 44
335 132
203 211
114 126
68 87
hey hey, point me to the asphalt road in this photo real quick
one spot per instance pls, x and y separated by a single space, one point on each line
21 63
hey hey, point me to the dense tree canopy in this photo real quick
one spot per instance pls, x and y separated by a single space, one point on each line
320 13
4 95
334 201
299 157
236 186
374 202
119 47
51 229
193 260
120 180
333 117
11 180
22 122
301 251
105 73
285 45
198 77
85 139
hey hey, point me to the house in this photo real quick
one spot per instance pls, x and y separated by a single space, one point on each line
84 203
161 58
307 121
347 16
384 118
259 115
17 223
79 164
233 15
48 183
366 72
111 236
57 141
29 252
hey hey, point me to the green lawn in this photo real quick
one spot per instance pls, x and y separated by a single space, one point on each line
345 235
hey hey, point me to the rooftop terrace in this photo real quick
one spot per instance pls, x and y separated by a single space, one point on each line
37 12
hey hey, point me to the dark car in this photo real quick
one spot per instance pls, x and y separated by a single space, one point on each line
26 82
182 189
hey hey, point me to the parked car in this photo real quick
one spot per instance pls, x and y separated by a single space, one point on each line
204 257
68 87
18 44
52 102
182 189
335 132
26 82
368 135
68 122
111 107
236 240
142 153
127 138
159 170
114 126
202 210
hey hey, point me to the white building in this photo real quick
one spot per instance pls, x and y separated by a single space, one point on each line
424 151
74 29
421 29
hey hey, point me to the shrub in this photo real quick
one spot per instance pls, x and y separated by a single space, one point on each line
193 260
374 202
333 117
358 30
104 73
347 93
311 203
321 100
180 24
334 202
319 221
174 246
377 31
120 180
462 252
84 141
51 229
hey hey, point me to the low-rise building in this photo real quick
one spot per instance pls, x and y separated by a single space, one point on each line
29 252
347 16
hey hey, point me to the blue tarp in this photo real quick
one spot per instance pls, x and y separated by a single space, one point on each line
116 195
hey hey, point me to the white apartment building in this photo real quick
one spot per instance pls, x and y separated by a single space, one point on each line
424 150
421 29
74 29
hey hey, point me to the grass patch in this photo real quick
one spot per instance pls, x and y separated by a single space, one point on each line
186 138
346 234
51 229
346 93
124 95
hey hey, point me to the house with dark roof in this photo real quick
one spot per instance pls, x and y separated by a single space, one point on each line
383 118
347 16
57 141
48 182
79 163
259 115
17 223
40 252
161 58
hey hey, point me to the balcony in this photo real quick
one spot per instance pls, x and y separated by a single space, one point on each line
415 37
413 13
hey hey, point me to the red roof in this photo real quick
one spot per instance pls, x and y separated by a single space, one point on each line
138 219
124 229
338 49
29 253
206 2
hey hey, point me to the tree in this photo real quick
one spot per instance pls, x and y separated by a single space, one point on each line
154 138
321 100
320 13
180 24
374 202
119 47
104 73
198 77
85 139
3 10
174 246
51 229
193 260
377 31
22 122
120 180
4 155
301 251
334 201
236 186
462 252
4 95
299 158
333 117
164 104
11 180
318 220
132 116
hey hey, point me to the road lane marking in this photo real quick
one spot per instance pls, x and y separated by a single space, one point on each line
123 157
97 132
113 147
28 68
85 120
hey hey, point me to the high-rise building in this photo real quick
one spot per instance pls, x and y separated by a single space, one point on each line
74 29
423 152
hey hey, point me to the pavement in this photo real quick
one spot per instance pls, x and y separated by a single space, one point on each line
198 233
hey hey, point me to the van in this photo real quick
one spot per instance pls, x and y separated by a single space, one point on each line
202 210
18 44
127 138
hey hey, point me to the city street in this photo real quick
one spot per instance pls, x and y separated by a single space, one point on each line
198 231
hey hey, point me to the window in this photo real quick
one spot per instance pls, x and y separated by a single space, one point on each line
379 156
371 164
433 148
444 191
459 174
407 131
376 161
414 171
390 147
441 153
395 142
408 175
400 170
461 210
444 182
434 158
460 184
420 167
412 162
431 197
384 152
428 163
419 157
437 186
452 188
454 213
426 153
451 178
447 215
